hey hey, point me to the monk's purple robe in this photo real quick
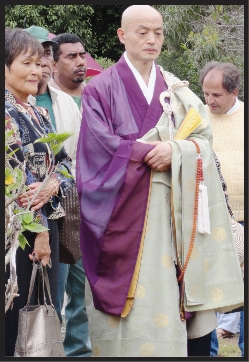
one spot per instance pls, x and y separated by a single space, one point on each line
113 181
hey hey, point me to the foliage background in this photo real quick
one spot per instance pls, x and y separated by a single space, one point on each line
194 34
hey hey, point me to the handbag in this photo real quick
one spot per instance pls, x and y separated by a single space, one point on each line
69 229
39 328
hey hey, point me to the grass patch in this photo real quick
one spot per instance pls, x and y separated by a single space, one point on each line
228 347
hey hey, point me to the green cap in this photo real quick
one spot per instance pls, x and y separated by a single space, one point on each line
39 33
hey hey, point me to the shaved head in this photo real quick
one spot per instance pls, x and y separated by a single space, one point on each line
132 12
141 33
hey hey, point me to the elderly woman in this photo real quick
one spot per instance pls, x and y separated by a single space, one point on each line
22 74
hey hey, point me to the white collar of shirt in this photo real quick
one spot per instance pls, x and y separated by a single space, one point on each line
234 107
147 91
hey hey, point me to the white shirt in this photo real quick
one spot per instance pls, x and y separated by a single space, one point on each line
147 91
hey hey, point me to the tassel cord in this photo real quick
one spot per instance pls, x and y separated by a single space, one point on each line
199 187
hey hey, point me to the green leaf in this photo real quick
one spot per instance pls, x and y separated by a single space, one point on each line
55 137
66 173
9 188
8 172
9 133
23 241
7 192
56 148
35 228
12 152
49 138
28 218
19 174
61 137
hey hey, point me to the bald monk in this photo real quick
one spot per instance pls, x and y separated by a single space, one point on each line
137 190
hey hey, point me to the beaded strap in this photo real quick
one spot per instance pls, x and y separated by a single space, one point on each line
199 178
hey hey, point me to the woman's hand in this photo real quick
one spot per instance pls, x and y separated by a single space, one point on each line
42 249
42 197
159 158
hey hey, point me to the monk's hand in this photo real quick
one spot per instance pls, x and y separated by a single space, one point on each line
42 249
43 195
159 158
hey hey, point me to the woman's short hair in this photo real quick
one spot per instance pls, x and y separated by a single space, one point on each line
18 41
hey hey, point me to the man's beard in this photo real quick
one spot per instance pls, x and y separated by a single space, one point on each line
78 80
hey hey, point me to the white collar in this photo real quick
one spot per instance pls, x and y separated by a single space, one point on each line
147 91
234 107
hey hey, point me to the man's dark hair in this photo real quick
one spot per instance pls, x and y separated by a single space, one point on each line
231 74
62 39
18 41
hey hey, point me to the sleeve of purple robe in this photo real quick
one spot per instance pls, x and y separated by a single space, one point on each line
113 184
